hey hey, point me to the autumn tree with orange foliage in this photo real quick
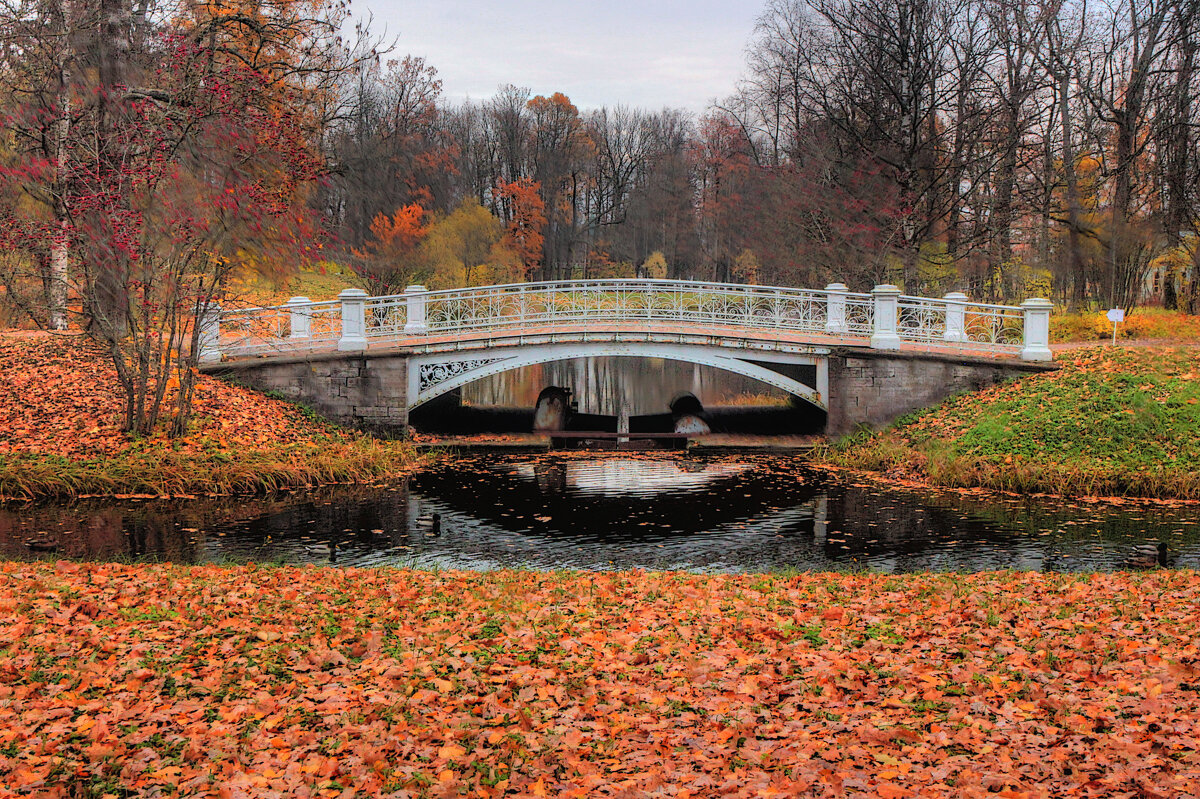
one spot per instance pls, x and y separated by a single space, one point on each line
390 260
527 220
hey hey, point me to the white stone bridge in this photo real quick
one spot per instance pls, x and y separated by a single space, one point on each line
862 358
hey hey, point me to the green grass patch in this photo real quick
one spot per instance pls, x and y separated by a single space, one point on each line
1112 421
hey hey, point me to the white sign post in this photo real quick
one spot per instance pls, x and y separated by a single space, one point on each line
1116 315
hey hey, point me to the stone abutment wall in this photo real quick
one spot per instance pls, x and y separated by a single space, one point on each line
354 391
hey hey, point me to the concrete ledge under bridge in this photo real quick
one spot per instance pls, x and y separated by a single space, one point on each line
375 389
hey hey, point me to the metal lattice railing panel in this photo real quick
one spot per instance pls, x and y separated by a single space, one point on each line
255 331
921 320
994 326
386 316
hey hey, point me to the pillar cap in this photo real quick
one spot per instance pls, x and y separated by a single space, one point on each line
297 300
957 296
837 287
1037 303
886 288
353 294
414 289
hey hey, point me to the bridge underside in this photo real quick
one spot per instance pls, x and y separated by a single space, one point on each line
432 374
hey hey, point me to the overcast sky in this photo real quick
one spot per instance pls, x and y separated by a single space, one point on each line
648 54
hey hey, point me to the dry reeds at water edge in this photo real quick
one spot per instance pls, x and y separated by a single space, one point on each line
164 472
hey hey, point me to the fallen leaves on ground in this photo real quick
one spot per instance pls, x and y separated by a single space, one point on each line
59 396
217 681
60 433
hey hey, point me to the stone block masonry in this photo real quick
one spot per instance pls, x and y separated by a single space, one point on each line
365 393
870 390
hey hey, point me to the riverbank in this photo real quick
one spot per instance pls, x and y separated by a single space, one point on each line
1112 422
60 436
131 680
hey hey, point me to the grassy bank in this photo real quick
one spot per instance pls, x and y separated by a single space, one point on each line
1121 422
60 435
206 681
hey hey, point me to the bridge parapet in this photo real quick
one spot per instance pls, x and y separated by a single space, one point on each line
884 319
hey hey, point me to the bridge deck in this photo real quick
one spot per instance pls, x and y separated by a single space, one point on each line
768 340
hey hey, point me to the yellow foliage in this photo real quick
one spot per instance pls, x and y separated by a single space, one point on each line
655 265
1142 323
745 267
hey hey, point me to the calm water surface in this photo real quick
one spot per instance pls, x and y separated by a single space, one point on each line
724 512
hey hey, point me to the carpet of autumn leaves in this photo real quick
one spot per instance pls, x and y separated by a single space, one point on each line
219 681
1112 421
60 416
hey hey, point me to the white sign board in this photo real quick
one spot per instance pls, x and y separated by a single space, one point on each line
1116 315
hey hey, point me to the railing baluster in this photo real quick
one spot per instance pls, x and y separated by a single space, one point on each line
416 322
209 342
1036 346
835 313
299 317
885 335
956 309
354 320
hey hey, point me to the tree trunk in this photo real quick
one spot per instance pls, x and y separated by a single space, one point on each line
1075 266
60 240
110 303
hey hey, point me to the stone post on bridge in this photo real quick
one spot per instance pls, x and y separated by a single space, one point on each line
209 341
415 310
835 314
886 334
1037 330
354 320
956 313
299 317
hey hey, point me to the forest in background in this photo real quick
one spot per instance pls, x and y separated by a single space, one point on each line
1000 147
154 152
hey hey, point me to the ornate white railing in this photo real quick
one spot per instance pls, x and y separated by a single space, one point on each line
882 319
300 324
588 304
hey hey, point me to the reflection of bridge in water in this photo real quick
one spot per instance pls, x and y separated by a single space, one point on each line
862 358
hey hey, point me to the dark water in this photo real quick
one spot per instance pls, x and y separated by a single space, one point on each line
733 512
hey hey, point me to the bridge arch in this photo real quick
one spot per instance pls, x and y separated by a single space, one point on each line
431 375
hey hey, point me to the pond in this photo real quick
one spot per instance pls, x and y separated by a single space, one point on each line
714 512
